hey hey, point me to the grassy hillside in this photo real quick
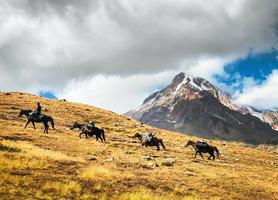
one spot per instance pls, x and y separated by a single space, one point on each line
60 165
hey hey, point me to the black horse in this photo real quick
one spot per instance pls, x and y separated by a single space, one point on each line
153 142
203 147
98 132
78 126
40 119
81 126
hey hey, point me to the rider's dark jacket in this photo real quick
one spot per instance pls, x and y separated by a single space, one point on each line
38 110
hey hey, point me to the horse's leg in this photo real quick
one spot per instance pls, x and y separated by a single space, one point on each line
201 154
195 154
103 135
80 134
162 145
46 127
27 123
211 153
34 124
157 147
100 137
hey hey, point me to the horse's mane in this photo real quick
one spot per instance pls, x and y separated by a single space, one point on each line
27 110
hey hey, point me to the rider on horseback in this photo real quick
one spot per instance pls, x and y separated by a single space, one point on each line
37 112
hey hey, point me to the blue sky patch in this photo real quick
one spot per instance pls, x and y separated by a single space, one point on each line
257 66
47 94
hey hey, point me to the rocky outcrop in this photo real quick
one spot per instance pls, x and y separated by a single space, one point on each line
194 106
271 117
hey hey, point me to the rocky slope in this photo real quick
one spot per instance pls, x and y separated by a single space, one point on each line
60 165
195 106
271 117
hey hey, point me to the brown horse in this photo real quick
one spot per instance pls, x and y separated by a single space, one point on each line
153 142
203 147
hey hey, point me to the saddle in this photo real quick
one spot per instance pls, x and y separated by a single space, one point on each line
201 144
89 127
36 116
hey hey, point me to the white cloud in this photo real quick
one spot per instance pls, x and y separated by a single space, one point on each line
115 93
206 67
123 93
54 45
263 96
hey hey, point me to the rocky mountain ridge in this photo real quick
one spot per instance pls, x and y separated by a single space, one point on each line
193 105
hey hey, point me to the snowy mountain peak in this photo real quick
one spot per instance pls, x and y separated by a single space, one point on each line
185 86
193 105
196 83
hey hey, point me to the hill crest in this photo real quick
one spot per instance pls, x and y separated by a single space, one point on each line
63 166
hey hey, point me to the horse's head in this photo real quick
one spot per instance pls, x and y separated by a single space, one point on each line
189 142
20 113
24 112
75 125
137 135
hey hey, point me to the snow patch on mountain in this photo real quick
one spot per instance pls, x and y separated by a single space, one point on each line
197 84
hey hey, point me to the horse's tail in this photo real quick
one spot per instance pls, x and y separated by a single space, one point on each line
160 141
103 135
52 122
217 152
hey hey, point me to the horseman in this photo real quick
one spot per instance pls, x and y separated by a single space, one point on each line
37 112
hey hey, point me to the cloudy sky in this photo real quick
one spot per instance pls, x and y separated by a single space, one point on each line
112 54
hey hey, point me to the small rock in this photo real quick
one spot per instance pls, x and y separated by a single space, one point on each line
147 157
93 158
150 165
109 159
153 164
168 162
9 117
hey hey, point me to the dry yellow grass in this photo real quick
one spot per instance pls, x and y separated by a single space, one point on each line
34 165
